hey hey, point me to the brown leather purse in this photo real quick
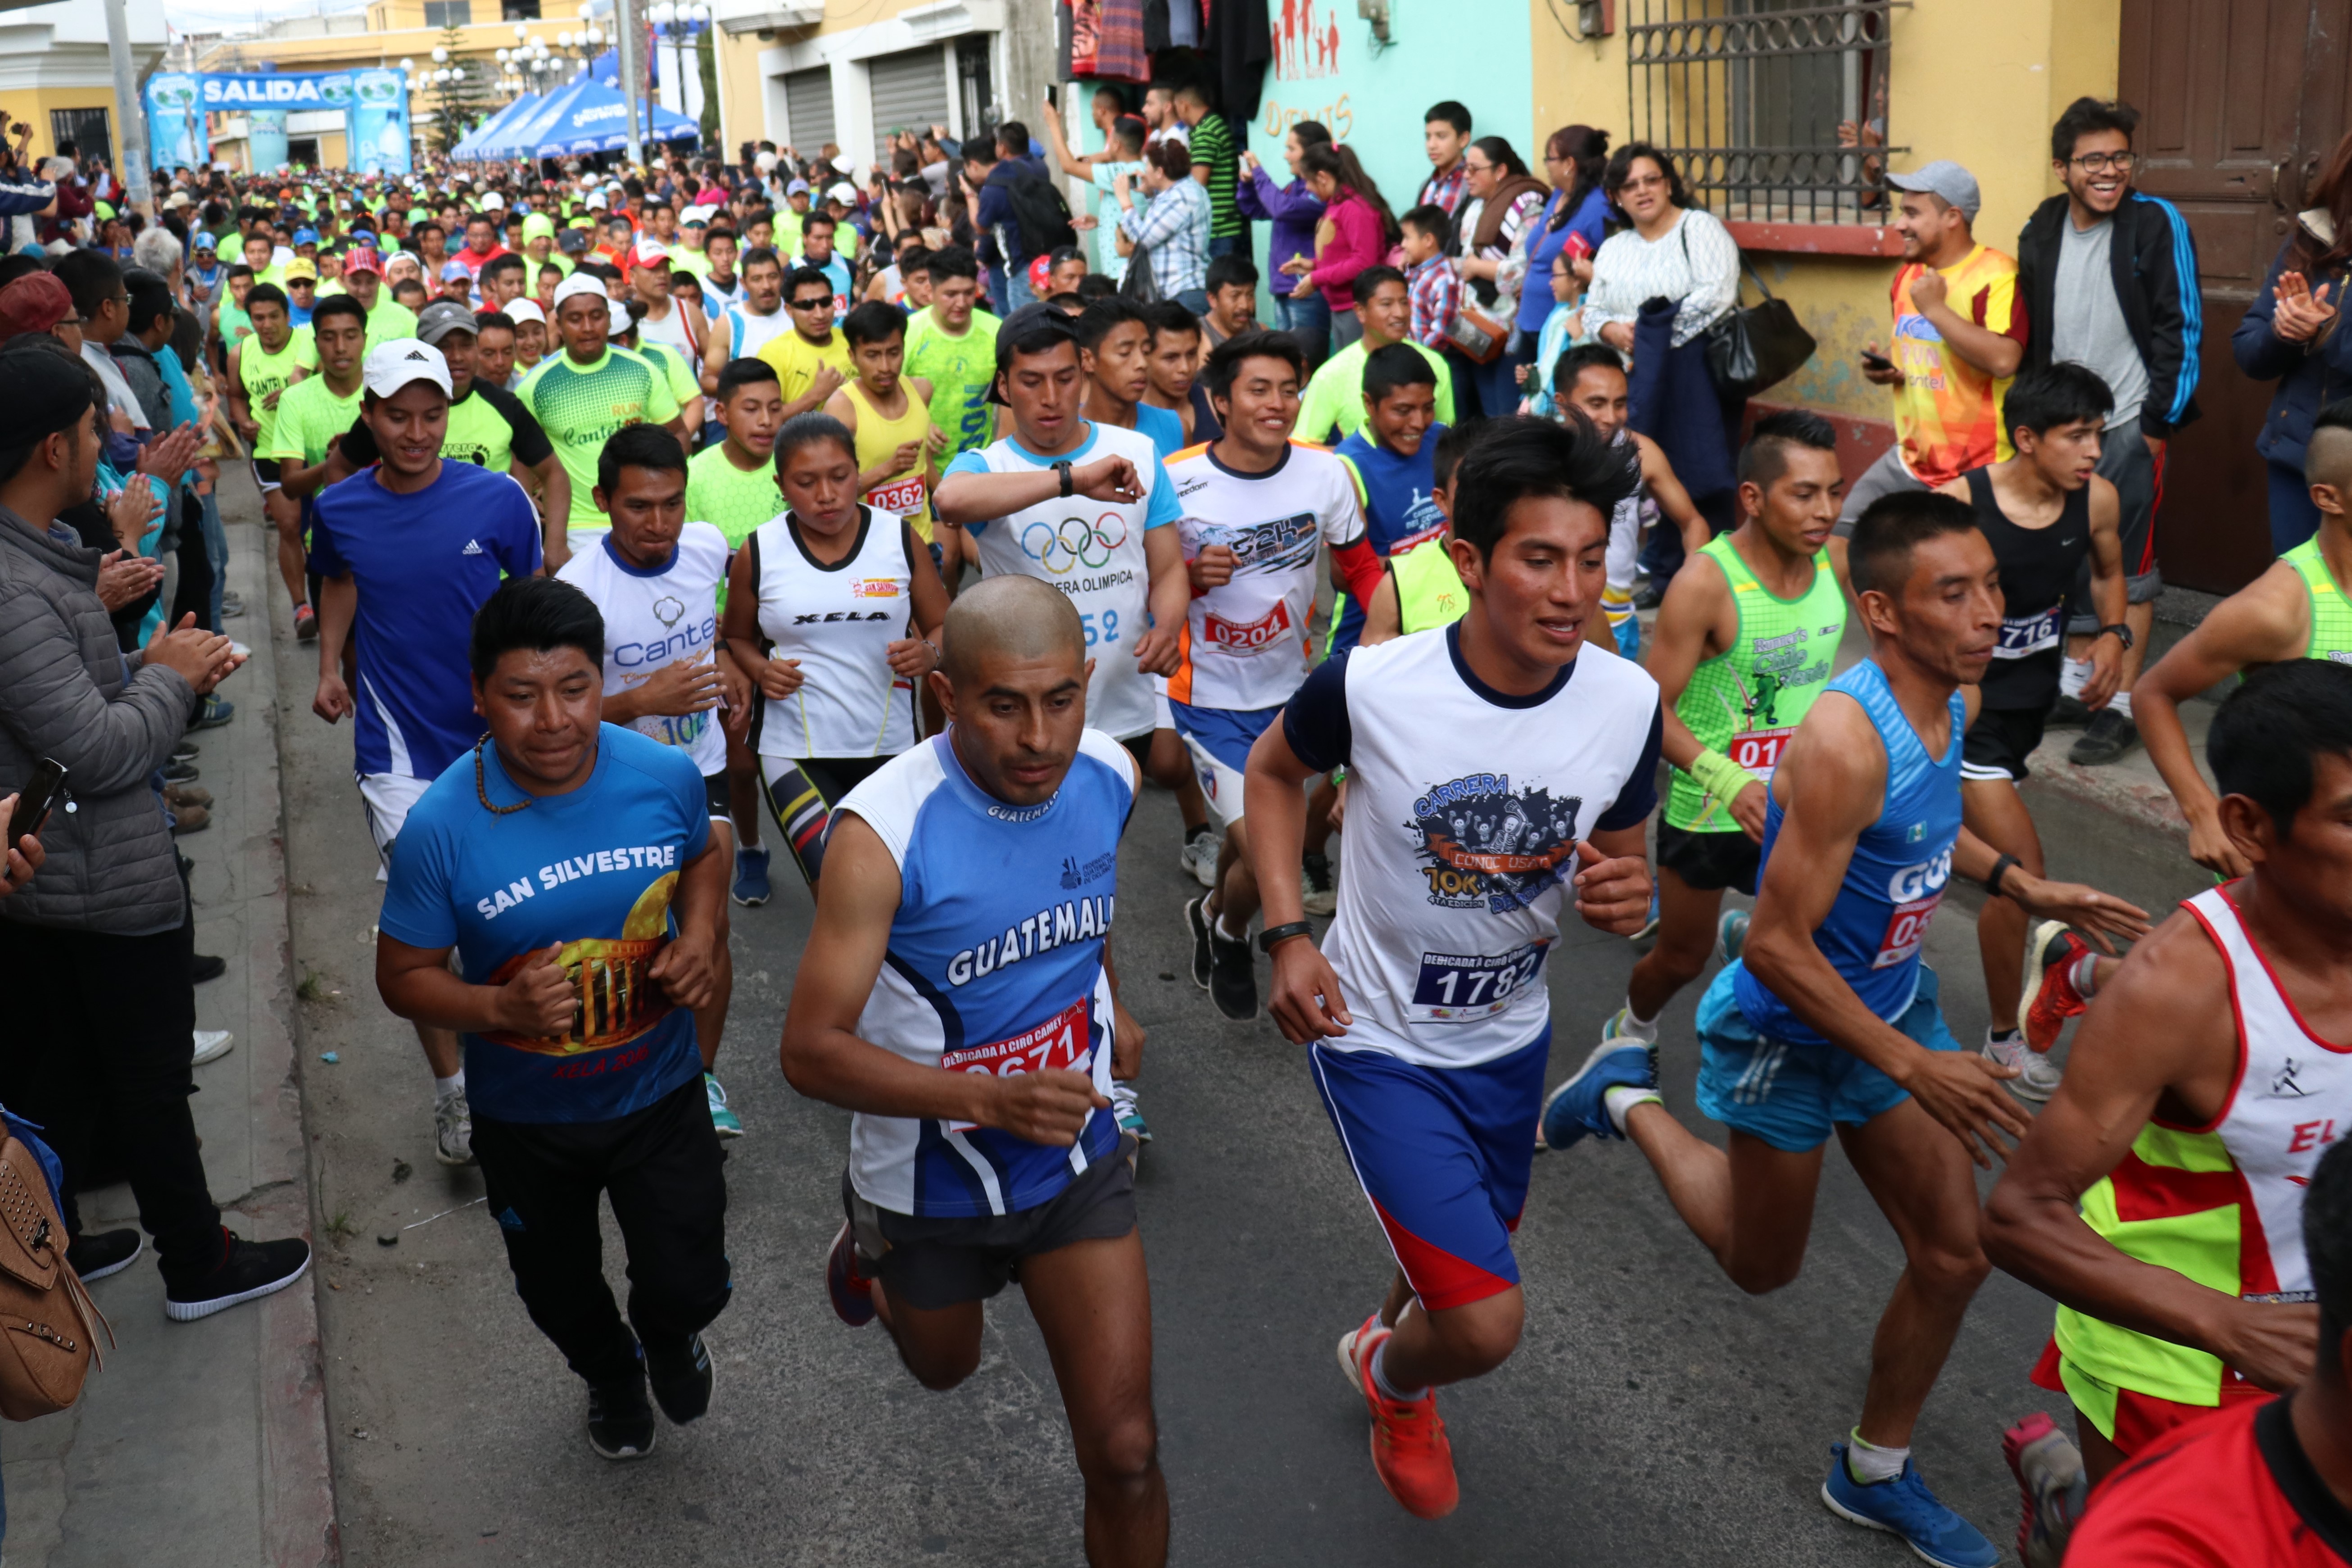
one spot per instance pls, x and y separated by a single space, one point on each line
48 1325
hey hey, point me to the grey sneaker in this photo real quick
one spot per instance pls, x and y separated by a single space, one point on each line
453 1130
1199 856
2038 1076
2108 738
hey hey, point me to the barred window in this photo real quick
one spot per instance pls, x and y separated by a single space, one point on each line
448 12
1775 110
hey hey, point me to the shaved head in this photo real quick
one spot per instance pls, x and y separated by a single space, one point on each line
2328 460
1009 617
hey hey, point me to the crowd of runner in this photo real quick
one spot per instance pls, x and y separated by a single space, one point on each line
732 532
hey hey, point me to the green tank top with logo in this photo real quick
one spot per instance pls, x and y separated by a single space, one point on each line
264 372
1429 590
1747 701
2331 616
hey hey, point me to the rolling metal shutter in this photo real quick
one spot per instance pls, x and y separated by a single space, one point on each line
808 109
910 93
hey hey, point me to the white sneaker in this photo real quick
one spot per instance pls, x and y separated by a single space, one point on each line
1199 856
453 1130
2038 1076
1621 1027
1318 885
212 1044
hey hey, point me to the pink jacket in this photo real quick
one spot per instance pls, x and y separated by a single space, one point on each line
1359 243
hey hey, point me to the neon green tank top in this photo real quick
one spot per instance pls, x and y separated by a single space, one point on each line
264 372
1429 590
2331 617
1747 701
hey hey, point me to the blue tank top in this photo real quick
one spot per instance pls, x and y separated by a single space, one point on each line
1897 877
1398 508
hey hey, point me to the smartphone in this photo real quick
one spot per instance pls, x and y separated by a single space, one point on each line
1877 361
33 802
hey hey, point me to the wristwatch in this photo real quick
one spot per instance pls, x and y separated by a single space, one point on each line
1062 471
2123 634
1273 934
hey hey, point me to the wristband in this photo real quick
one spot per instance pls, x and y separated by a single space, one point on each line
1719 775
1062 472
1272 934
2001 868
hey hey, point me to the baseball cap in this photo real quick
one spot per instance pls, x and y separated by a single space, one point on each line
693 215
844 192
650 250
441 317
453 270
364 259
303 268
493 202
797 189
571 241
578 284
522 311
1031 318
596 200
536 225
306 236
178 199
392 365
33 304
1946 179
204 241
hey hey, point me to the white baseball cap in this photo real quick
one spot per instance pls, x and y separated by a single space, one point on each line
597 202
581 283
393 364
650 250
843 193
522 311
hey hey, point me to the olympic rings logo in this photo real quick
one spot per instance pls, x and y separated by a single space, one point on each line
1074 543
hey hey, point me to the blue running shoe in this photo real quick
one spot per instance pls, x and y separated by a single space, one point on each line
1730 935
1905 1507
1649 922
751 887
723 1120
1628 637
1575 1109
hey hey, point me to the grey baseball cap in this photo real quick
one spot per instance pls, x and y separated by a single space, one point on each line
441 317
1943 178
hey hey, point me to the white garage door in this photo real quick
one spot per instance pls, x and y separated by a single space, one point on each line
910 93
808 109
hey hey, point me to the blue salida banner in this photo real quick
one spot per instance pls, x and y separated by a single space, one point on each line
374 103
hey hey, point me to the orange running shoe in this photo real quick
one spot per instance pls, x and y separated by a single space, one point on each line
2050 996
1408 1447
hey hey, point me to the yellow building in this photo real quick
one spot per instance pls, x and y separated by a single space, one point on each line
55 76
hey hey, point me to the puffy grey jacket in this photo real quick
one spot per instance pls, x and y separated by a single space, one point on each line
67 691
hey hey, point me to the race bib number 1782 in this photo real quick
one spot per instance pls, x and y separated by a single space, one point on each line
1456 988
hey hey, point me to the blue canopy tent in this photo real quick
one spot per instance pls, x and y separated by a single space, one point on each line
471 145
590 117
520 136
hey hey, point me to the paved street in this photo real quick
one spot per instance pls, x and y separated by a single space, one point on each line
1652 1415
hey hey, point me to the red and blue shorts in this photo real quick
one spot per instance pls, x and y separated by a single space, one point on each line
1443 1153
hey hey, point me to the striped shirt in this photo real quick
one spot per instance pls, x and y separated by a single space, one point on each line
1213 143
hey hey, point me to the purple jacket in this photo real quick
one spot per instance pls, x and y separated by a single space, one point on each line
1292 207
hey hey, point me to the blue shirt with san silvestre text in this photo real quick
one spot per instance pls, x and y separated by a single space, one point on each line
424 562
594 870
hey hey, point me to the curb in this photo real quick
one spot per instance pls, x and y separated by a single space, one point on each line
2134 793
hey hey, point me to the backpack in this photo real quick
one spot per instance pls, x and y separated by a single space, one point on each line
48 1325
1044 216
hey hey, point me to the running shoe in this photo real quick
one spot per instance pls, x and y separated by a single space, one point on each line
2108 738
1317 888
1650 921
179 770
851 1292
1905 1507
248 1271
306 624
751 888
621 1418
2051 1489
725 1122
97 1254
217 711
1196 920
1577 1109
204 967
2067 713
1198 858
2050 998
453 1129
1131 1119
232 606
1233 977
2037 1076
1409 1452
211 1045
1730 935
1621 1027
681 1378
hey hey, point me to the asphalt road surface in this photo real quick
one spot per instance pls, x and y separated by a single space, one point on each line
1652 1415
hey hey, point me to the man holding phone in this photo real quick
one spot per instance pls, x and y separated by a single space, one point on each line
99 937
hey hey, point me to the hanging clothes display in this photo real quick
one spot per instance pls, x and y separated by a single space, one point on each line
1184 24
1241 36
1063 27
1085 33
1118 47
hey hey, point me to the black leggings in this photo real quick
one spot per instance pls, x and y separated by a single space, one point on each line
801 793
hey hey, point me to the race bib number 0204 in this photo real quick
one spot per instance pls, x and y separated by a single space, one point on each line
1456 988
1062 1041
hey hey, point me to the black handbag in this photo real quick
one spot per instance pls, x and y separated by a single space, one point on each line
1751 347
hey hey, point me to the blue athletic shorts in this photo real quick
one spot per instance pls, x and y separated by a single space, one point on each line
1790 1095
1444 1154
1220 739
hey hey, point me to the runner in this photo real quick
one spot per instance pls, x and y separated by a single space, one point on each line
590 957
1390 458
260 368
654 581
408 552
1114 348
587 392
731 485
1175 372
1490 768
1744 644
1864 807
833 612
889 415
311 414
812 360
2159 1196
952 346
2045 512
494 350
1420 588
1258 507
747 325
1006 1163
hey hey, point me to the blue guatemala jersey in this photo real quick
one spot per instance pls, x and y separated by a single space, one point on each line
1400 506
424 562
994 966
1897 877
594 870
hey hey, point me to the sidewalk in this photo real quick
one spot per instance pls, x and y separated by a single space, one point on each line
2130 786
205 1444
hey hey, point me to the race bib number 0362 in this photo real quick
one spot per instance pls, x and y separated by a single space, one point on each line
1456 988
904 497
1062 1041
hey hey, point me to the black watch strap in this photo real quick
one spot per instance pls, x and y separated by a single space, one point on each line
1062 472
1272 934
2001 868
2123 634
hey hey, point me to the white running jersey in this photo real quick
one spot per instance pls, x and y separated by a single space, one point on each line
1245 641
1092 551
747 333
839 621
1464 808
670 331
2292 1099
994 966
654 619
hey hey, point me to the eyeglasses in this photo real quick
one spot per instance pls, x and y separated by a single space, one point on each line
2099 163
1644 182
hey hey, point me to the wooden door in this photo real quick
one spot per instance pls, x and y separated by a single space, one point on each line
2239 101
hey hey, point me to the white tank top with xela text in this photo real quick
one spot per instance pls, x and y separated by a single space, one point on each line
839 621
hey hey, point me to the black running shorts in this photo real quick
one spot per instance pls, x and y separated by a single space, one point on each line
934 1263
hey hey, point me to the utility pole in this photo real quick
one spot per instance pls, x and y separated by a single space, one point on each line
130 149
630 42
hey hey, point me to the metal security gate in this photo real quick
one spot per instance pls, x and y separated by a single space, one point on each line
910 93
808 109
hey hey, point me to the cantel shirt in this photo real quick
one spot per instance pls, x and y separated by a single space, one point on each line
310 417
994 966
658 616
594 870
424 563
581 406
488 427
